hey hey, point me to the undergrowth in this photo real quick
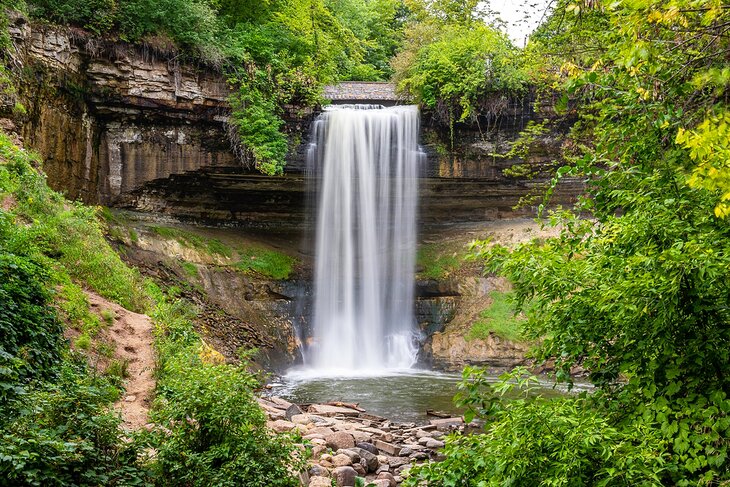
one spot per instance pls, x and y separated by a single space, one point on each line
498 318
268 263
210 246
437 261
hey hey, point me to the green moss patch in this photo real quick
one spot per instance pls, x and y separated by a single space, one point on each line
498 318
268 263
211 246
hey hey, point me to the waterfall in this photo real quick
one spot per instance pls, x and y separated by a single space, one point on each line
365 162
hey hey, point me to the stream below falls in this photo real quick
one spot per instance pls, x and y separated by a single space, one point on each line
398 396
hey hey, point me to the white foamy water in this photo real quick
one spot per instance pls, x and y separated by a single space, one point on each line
366 162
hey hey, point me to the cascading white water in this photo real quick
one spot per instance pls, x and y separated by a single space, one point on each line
366 162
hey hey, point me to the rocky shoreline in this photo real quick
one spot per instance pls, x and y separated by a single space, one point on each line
346 442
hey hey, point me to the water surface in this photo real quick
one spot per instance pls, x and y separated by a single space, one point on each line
402 396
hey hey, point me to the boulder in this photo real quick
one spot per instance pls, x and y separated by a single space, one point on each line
371 459
434 443
320 430
292 410
341 460
318 450
447 423
344 476
353 454
318 471
325 410
340 439
367 446
320 482
281 426
386 447
379 483
389 477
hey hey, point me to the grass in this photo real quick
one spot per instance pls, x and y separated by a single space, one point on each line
108 316
268 263
438 261
210 245
190 269
69 234
499 318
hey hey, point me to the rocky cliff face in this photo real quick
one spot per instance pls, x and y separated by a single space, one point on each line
110 117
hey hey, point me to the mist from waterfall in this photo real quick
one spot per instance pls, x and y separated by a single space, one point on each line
365 161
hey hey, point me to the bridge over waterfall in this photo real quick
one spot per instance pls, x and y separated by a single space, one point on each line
363 92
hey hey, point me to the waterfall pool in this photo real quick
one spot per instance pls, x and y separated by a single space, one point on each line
401 396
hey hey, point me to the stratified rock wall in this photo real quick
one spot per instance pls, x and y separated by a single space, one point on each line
109 117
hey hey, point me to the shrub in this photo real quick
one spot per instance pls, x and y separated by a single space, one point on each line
30 333
98 16
212 429
66 435
532 440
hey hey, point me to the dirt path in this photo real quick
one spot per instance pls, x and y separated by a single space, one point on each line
133 335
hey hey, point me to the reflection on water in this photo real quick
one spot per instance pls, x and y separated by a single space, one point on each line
399 396
402 397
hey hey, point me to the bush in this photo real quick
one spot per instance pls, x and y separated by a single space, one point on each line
212 429
215 433
98 16
68 233
531 440
30 333
66 435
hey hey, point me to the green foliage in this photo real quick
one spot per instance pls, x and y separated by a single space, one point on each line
66 435
212 429
211 246
256 117
378 25
454 63
709 148
268 263
274 54
30 332
192 24
98 16
499 318
56 422
438 262
532 440
637 295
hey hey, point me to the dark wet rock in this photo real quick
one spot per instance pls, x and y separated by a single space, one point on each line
371 460
367 446
292 410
